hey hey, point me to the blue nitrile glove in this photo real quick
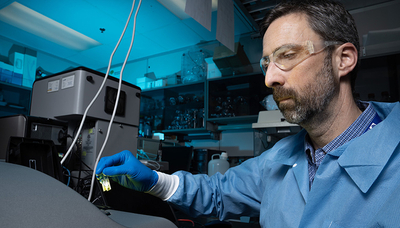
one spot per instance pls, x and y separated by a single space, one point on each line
129 172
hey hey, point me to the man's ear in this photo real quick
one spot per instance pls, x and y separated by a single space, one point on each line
346 57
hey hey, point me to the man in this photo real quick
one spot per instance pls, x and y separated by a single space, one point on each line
340 171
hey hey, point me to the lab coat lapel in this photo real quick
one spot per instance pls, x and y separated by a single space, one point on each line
300 170
365 157
290 152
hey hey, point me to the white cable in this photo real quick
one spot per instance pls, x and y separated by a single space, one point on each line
100 89
117 98
152 165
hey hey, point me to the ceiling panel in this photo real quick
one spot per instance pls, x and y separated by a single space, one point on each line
255 10
197 28
173 36
143 49
153 16
157 31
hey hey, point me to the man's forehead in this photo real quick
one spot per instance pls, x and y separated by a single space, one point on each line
289 29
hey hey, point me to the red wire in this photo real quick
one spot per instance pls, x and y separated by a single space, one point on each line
186 220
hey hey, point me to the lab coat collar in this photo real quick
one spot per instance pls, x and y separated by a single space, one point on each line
288 150
365 157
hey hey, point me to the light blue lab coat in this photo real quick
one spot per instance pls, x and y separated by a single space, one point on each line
357 185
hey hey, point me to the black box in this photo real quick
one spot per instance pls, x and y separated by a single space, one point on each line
32 127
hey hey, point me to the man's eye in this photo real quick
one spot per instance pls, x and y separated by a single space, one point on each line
287 55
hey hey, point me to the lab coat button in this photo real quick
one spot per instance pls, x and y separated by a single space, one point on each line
294 165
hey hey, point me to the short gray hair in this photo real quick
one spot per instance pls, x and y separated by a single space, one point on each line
327 18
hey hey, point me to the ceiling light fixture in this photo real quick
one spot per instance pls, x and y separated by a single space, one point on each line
33 22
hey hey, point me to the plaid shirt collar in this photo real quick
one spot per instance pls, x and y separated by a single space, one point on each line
357 128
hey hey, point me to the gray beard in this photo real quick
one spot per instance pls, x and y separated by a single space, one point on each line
313 100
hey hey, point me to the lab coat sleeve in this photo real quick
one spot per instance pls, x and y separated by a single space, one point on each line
238 192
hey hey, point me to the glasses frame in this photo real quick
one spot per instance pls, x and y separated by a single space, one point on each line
308 45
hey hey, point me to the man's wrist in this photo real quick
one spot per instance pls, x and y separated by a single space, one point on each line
165 187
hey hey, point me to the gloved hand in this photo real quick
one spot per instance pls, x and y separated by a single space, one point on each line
129 172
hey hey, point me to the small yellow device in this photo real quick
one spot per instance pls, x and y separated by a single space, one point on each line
104 181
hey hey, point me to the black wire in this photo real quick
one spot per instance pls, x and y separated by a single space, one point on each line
83 183
90 169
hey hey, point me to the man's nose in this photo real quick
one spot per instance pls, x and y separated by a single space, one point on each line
273 76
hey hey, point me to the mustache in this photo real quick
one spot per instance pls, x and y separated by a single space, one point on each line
280 93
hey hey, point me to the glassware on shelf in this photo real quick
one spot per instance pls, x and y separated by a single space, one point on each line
193 66
147 130
172 101
173 108
187 119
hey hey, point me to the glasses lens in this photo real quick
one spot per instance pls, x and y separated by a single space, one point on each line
287 57
264 62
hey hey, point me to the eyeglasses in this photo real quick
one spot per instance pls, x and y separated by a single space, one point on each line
288 56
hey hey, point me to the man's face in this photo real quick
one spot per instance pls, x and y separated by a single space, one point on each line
307 89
